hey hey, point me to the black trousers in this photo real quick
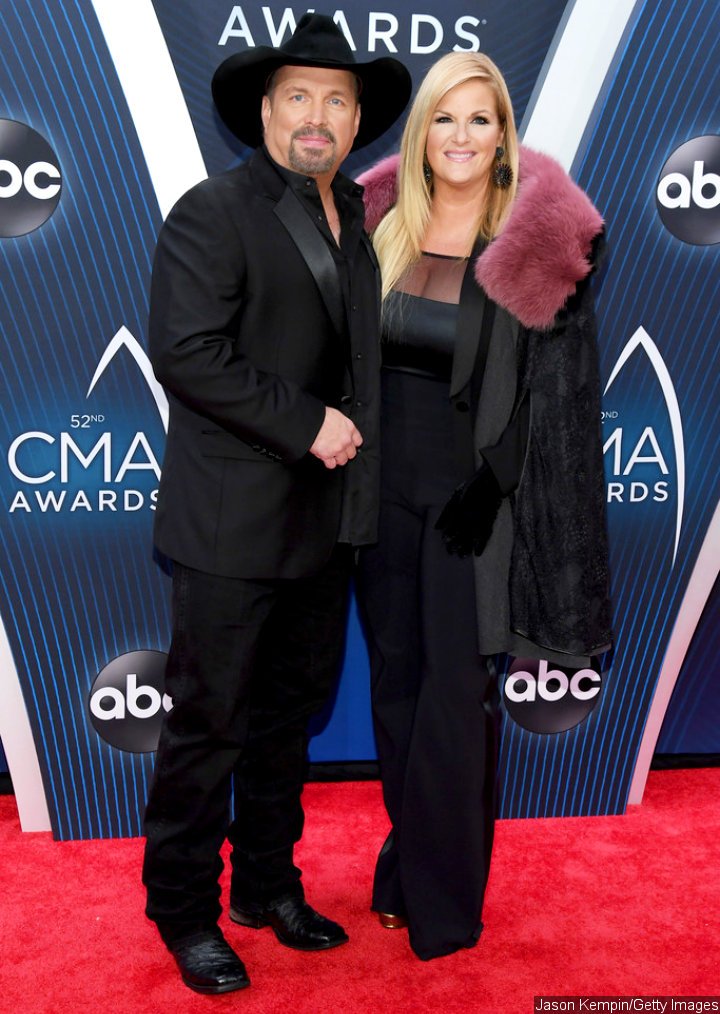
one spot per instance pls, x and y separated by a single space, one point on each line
250 662
435 704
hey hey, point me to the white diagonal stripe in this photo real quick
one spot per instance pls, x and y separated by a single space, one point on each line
701 583
19 746
153 94
572 76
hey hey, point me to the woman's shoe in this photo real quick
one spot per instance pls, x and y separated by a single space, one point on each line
389 921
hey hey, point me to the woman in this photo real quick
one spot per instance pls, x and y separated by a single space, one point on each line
492 529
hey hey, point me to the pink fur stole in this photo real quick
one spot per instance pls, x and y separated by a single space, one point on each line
534 265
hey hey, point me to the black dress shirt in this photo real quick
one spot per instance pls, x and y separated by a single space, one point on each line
358 394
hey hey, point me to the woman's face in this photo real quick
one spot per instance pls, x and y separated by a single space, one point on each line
464 132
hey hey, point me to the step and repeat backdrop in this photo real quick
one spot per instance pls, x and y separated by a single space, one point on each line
105 119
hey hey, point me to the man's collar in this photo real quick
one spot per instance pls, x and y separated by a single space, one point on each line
303 184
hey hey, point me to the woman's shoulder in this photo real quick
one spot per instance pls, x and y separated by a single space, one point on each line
546 247
379 190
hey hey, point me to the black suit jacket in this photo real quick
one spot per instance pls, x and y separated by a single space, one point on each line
249 335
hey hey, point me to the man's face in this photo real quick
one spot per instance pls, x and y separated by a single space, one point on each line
311 118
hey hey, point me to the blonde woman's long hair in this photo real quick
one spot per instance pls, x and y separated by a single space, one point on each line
399 236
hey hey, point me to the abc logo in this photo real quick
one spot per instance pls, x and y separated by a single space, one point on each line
547 700
30 181
688 194
127 701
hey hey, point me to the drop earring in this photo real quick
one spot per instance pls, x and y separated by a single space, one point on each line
502 173
427 174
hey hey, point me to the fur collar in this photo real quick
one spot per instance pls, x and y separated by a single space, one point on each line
534 265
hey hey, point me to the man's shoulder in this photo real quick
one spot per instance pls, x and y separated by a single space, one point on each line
217 189
229 204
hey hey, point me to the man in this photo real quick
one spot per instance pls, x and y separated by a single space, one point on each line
263 329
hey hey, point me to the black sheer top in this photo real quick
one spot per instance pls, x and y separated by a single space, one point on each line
420 317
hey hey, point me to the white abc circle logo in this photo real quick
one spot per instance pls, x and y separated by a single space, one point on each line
688 193
546 700
127 701
30 180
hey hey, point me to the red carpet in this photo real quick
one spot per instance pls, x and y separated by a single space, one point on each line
605 905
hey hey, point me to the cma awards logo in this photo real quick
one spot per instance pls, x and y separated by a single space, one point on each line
128 701
549 700
644 467
86 467
30 180
372 30
688 194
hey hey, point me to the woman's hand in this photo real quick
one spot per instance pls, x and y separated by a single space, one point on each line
467 519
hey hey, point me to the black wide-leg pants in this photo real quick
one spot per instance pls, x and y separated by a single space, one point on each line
434 697
250 662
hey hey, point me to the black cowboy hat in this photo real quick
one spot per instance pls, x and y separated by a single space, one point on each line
239 83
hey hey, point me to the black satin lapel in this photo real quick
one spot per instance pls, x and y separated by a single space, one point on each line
315 253
365 240
470 315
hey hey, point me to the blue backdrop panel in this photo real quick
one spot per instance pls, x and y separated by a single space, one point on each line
78 583
660 297
663 93
200 35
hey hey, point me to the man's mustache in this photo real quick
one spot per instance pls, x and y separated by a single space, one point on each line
313 132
